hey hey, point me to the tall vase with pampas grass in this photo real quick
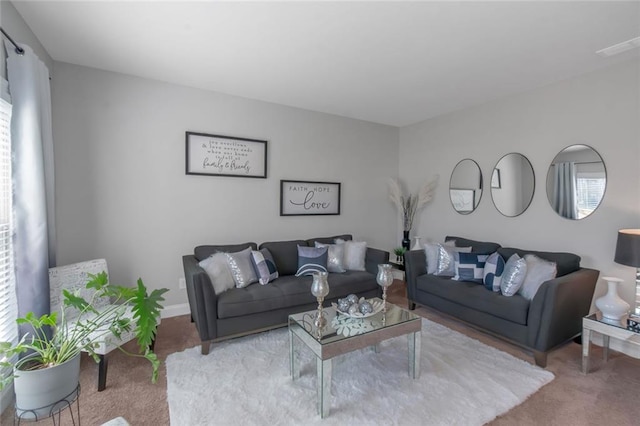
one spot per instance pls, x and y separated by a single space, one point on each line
409 204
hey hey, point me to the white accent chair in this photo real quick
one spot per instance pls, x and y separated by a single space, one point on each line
74 278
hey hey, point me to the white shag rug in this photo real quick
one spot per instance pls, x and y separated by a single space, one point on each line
246 381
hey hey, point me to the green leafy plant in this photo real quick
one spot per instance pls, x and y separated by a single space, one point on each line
399 251
54 339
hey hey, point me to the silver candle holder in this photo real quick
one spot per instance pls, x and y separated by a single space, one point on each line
320 289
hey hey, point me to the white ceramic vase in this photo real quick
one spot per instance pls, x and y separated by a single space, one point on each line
416 245
612 306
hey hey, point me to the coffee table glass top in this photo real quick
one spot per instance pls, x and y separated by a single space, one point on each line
340 326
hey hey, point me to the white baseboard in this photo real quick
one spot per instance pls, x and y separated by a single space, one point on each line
175 310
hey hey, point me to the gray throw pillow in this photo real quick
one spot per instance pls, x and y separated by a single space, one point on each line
335 261
446 260
513 276
311 260
242 268
538 271
431 251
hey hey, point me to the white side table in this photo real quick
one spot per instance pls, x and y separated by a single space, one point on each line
594 322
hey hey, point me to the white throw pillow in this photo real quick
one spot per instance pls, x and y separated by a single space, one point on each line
513 276
538 271
431 253
354 254
217 268
241 268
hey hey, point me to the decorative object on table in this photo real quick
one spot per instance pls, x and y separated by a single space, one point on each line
612 306
320 289
217 155
416 244
410 204
79 326
384 279
361 308
633 324
300 198
399 252
628 253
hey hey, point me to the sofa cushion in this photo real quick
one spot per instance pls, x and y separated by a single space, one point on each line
285 254
474 296
312 260
565 262
241 267
290 291
513 276
493 269
311 242
264 265
202 252
335 261
482 247
469 267
538 272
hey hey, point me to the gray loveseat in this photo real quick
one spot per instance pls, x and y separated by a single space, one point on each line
255 308
552 317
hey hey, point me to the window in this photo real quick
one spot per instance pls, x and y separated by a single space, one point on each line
589 191
8 308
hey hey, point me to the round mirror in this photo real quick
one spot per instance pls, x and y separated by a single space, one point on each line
576 181
465 186
512 184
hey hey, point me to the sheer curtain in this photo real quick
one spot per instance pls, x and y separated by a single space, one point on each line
33 180
564 190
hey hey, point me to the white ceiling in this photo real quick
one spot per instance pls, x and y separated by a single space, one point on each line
395 63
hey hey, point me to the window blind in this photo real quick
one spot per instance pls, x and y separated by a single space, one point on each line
8 303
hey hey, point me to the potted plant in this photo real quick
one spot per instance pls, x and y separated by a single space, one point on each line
399 252
409 204
55 341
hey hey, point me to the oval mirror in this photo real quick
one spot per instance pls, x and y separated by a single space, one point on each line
576 181
465 186
512 184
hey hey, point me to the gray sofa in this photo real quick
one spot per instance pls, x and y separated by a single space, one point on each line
255 308
551 318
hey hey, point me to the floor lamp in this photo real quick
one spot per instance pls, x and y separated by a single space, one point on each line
628 253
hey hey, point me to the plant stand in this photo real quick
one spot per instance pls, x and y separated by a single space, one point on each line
54 411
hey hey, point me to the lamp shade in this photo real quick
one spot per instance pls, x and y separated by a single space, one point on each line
628 247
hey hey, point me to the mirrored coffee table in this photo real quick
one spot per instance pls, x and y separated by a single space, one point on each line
343 334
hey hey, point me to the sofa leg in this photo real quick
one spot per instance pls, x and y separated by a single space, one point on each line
540 358
412 305
205 347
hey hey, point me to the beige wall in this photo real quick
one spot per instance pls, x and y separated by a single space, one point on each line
122 192
600 109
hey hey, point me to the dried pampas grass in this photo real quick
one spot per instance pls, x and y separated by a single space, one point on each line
410 204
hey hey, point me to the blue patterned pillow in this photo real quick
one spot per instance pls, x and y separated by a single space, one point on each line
264 265
311 260
493 270
469 266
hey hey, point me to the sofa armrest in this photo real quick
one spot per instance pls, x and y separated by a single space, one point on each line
415 264
373 258
203 301
557 309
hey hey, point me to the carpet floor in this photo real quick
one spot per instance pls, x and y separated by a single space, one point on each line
605 396
463 382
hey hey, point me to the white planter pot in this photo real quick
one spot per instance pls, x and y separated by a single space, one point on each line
39 393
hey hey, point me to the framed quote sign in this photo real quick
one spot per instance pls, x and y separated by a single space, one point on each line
216 155
299 197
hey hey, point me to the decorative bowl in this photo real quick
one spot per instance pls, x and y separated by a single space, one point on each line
375 303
